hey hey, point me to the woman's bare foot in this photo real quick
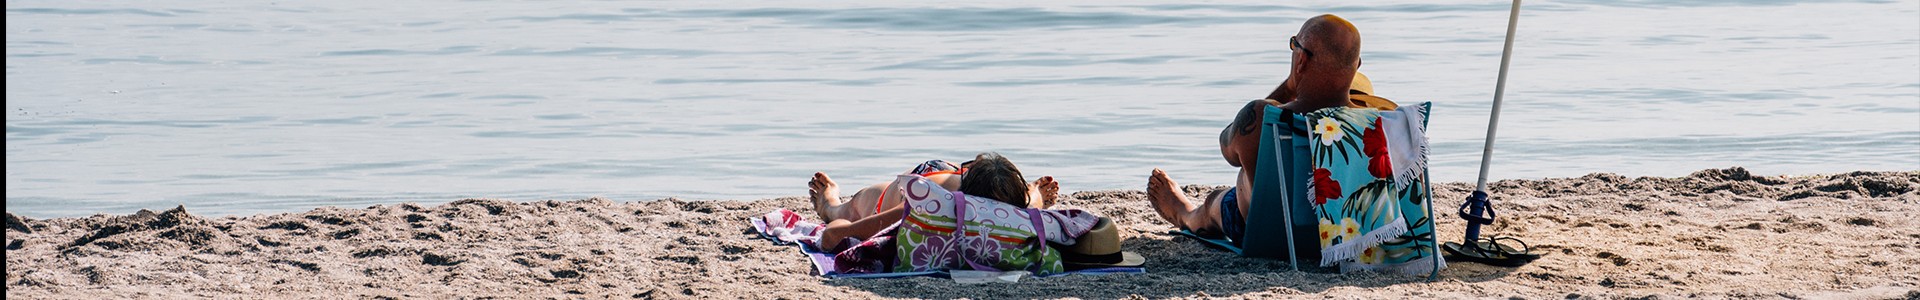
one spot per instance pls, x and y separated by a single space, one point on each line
1167 199
1049 191
824 193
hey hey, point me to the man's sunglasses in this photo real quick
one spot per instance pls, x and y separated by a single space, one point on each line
1295 42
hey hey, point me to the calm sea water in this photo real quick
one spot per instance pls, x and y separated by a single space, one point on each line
244 107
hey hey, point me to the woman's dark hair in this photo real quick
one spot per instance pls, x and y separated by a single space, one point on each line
993 176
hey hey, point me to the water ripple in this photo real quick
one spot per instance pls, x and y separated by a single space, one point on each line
82 11
917 19
963 19
607 51
394 52
1096 80
361 120
141 60
1064 61
1679 95
579 17
94 123
510 97
354 167
853 82
33 55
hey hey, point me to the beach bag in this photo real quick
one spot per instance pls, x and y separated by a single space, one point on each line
949 230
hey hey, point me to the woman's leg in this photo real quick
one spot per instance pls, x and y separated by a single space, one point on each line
1043 193
866 202
825 194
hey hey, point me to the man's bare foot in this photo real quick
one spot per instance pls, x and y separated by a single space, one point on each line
1167 199
824 193
1049 191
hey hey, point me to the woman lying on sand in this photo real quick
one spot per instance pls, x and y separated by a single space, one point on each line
878 206
981 215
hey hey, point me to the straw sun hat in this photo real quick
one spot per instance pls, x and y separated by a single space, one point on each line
1099 248
1361 85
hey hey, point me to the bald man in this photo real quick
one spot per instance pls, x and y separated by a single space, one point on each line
1324 73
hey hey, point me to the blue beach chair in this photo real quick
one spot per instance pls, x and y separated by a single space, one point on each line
1280 222
1281 219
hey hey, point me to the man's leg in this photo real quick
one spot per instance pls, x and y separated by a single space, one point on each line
1244 197
1172 204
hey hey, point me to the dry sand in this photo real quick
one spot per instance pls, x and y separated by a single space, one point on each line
1716 233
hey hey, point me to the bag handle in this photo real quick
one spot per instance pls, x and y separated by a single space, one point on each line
960 233
1039 238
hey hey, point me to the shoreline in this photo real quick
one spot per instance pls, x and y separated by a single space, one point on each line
1714 233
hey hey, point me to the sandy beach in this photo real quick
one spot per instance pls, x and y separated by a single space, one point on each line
1716 233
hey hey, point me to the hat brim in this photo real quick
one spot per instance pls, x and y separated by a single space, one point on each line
1361 84
1127 259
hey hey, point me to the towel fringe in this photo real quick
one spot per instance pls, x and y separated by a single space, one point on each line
1349 249
1418 266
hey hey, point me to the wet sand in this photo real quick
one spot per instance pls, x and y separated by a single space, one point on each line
1715 233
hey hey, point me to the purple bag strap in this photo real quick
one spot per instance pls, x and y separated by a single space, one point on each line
1039 236
960 233
1039 227
959 215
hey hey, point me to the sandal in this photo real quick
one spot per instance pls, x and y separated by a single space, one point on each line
1487 250
1490 251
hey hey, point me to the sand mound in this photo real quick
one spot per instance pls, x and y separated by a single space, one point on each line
1715 233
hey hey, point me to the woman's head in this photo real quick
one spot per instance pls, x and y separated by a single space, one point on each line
993 176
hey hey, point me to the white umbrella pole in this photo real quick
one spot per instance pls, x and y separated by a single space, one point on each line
1493 124
1499 90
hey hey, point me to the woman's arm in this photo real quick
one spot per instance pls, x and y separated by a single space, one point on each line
839 230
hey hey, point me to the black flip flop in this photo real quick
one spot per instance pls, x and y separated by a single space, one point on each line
1490 251
1525 252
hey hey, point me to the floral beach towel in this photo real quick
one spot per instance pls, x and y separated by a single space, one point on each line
1369 187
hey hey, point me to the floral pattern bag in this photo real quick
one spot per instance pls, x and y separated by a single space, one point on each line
948 230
